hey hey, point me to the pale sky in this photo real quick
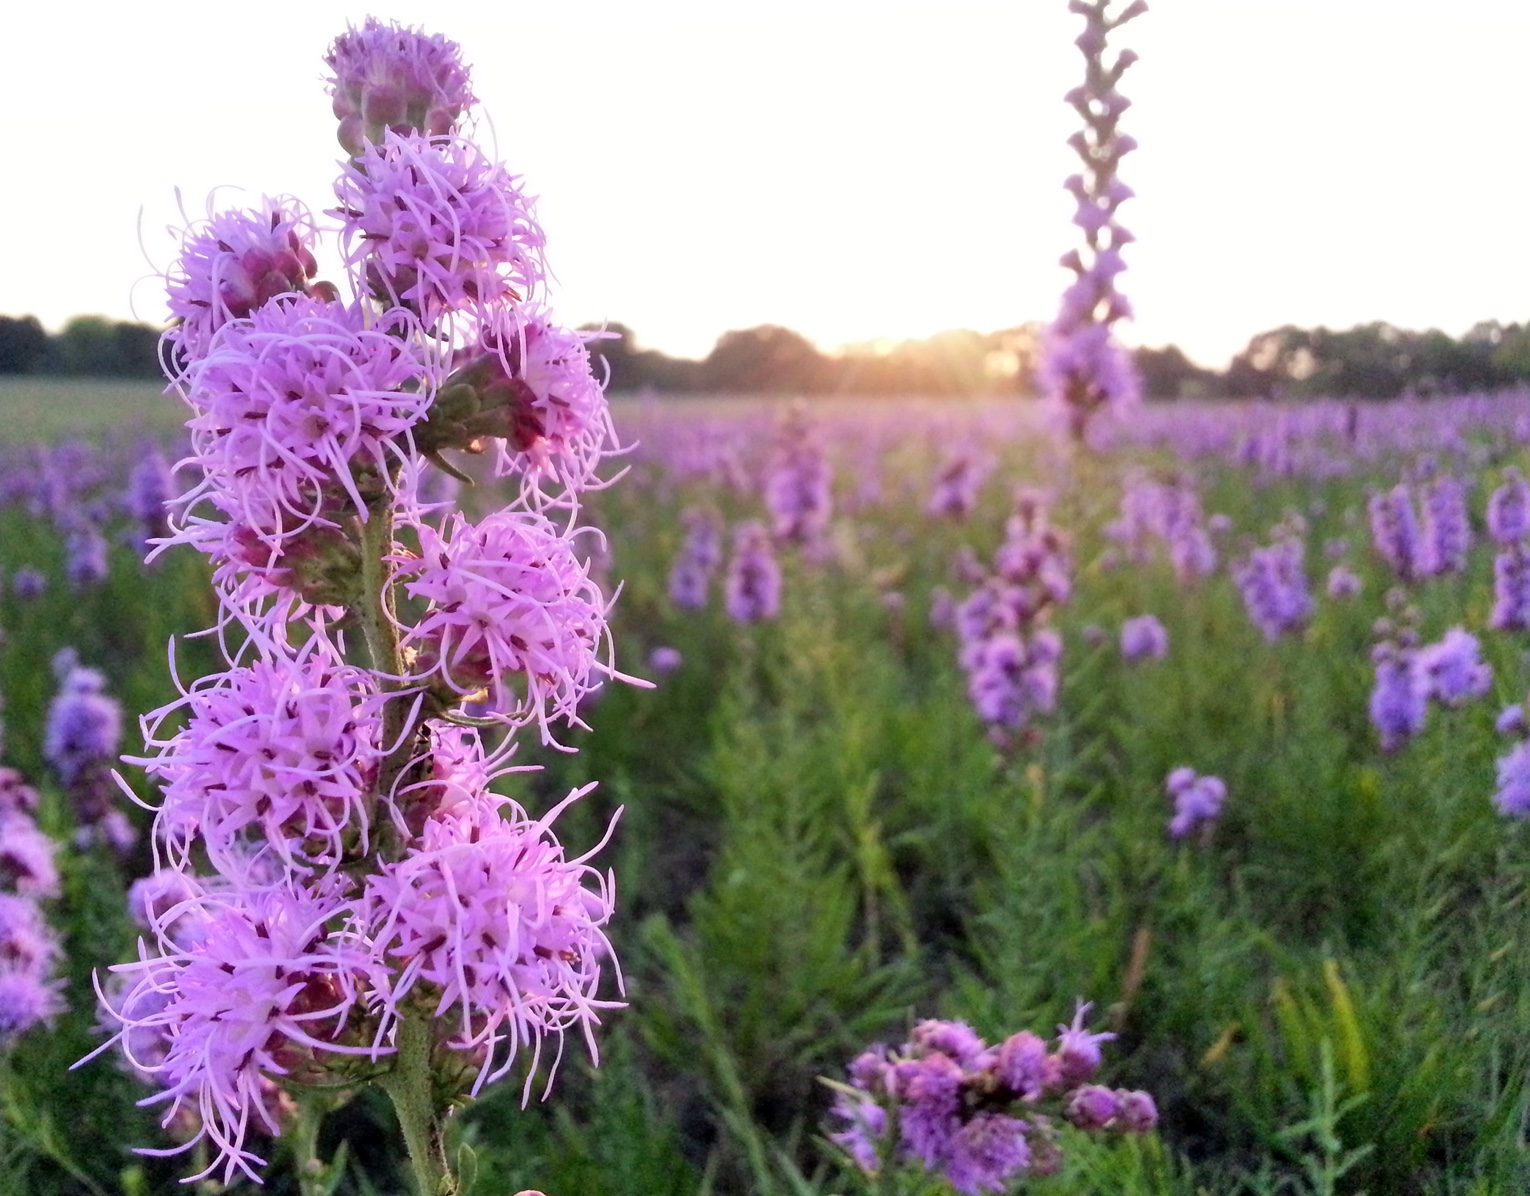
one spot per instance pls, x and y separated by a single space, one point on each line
851 169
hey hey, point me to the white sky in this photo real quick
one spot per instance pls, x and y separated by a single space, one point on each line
848 168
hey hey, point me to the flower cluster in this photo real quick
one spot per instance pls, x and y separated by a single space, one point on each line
1197 800
1508 521
338 873
690 578
798 491
1083 370
28 946
1513 795
1170 513
1410 675
1273 580
752 587
981 1116
1009 653
83 732
958 483
1144 638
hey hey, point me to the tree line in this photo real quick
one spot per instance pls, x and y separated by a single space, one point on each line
1370 361
89 346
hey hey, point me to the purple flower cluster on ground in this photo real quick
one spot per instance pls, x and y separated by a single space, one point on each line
981 1116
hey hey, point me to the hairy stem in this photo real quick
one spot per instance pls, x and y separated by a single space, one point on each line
411 1087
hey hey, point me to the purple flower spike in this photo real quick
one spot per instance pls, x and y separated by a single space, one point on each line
1083 370
753 584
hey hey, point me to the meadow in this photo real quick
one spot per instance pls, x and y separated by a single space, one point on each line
1326 989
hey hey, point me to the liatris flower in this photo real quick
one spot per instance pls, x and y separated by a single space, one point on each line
1343 582
294 404
86 563
1447 531
1513 795
234 264
1451 669
1011 680
388 77
797 484
151 485
1511 588
1400 698
752 588
28 946
269 990
1508 510
486 918
690 579
980 1116
364 880
84 724
665 659
434 226
961 478
1273 581
1197 800
512 610
276 757
1395 532
1082 369
83 732
28 584
1144 638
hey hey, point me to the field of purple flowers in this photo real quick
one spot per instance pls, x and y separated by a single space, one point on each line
1217 729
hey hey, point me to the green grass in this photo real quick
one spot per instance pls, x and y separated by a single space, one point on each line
36 409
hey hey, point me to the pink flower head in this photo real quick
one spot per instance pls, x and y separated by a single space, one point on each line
1078 1051
512 610
16 796
26 858
434 226
388 77
298 402
26 999
987 1153
539 399
26 941
1022 1064
955 1040
487 917
266 993
275 756
752 588
234 264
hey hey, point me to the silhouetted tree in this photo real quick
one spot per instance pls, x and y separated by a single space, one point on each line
764 359
23 345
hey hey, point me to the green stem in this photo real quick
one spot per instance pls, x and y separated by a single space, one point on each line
410 1085
304 1136
375 614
